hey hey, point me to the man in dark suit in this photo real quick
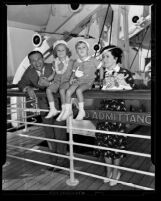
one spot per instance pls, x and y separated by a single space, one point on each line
30 81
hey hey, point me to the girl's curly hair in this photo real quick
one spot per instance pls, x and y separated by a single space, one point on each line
68 52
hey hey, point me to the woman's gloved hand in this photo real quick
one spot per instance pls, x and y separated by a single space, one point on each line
79 73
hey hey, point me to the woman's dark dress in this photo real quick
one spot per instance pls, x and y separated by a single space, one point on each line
109 140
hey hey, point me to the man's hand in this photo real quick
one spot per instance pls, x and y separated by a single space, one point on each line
43 82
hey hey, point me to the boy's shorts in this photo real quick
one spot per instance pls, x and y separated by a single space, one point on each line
54 87
65 85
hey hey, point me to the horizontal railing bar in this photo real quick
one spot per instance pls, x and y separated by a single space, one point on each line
83 129
41 138
86 145
80 172
85 160
115 166
118 181
38 151
37 162
118 150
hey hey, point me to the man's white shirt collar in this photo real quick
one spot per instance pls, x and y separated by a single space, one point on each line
40 73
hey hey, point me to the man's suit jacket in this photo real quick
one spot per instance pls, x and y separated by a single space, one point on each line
31 78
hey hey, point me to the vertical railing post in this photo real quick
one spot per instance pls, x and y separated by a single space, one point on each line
71 181
24 113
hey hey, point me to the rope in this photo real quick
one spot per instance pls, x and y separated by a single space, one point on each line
111 28
148 48
139 47
102 27
103 24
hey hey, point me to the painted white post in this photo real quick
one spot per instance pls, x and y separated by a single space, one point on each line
71 181
116 25
24 113
124 10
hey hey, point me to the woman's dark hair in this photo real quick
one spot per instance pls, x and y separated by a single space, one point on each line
115 51
34 52
68 52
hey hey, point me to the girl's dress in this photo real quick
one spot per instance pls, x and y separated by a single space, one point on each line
110 140
62 76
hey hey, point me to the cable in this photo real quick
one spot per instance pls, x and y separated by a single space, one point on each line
148 48
68 34
103 24
111 28
139 47
102 28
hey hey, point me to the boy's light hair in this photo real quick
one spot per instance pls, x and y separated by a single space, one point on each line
81 41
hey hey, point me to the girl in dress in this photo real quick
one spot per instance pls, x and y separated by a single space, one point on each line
62 70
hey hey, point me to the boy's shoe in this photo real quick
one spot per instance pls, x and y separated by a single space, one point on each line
59 118
81 115
67 113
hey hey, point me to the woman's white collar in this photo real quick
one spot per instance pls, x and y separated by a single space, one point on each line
117 68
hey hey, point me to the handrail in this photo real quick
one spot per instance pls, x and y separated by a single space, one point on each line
92 94
96 94
10 86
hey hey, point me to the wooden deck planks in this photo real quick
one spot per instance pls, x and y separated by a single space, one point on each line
38 178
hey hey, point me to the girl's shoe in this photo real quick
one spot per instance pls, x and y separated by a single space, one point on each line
113 183
52 112
107 179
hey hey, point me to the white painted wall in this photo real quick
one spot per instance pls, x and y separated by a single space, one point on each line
19 44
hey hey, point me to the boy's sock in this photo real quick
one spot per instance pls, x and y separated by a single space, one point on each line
81 112
59 118
68 111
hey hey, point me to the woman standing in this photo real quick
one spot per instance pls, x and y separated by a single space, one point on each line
117 78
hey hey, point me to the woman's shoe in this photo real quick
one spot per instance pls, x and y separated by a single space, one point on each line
113 183
107 180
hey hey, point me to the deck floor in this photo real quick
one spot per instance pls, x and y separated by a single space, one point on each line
23 175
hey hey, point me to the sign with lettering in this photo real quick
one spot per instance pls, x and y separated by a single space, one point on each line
115 116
